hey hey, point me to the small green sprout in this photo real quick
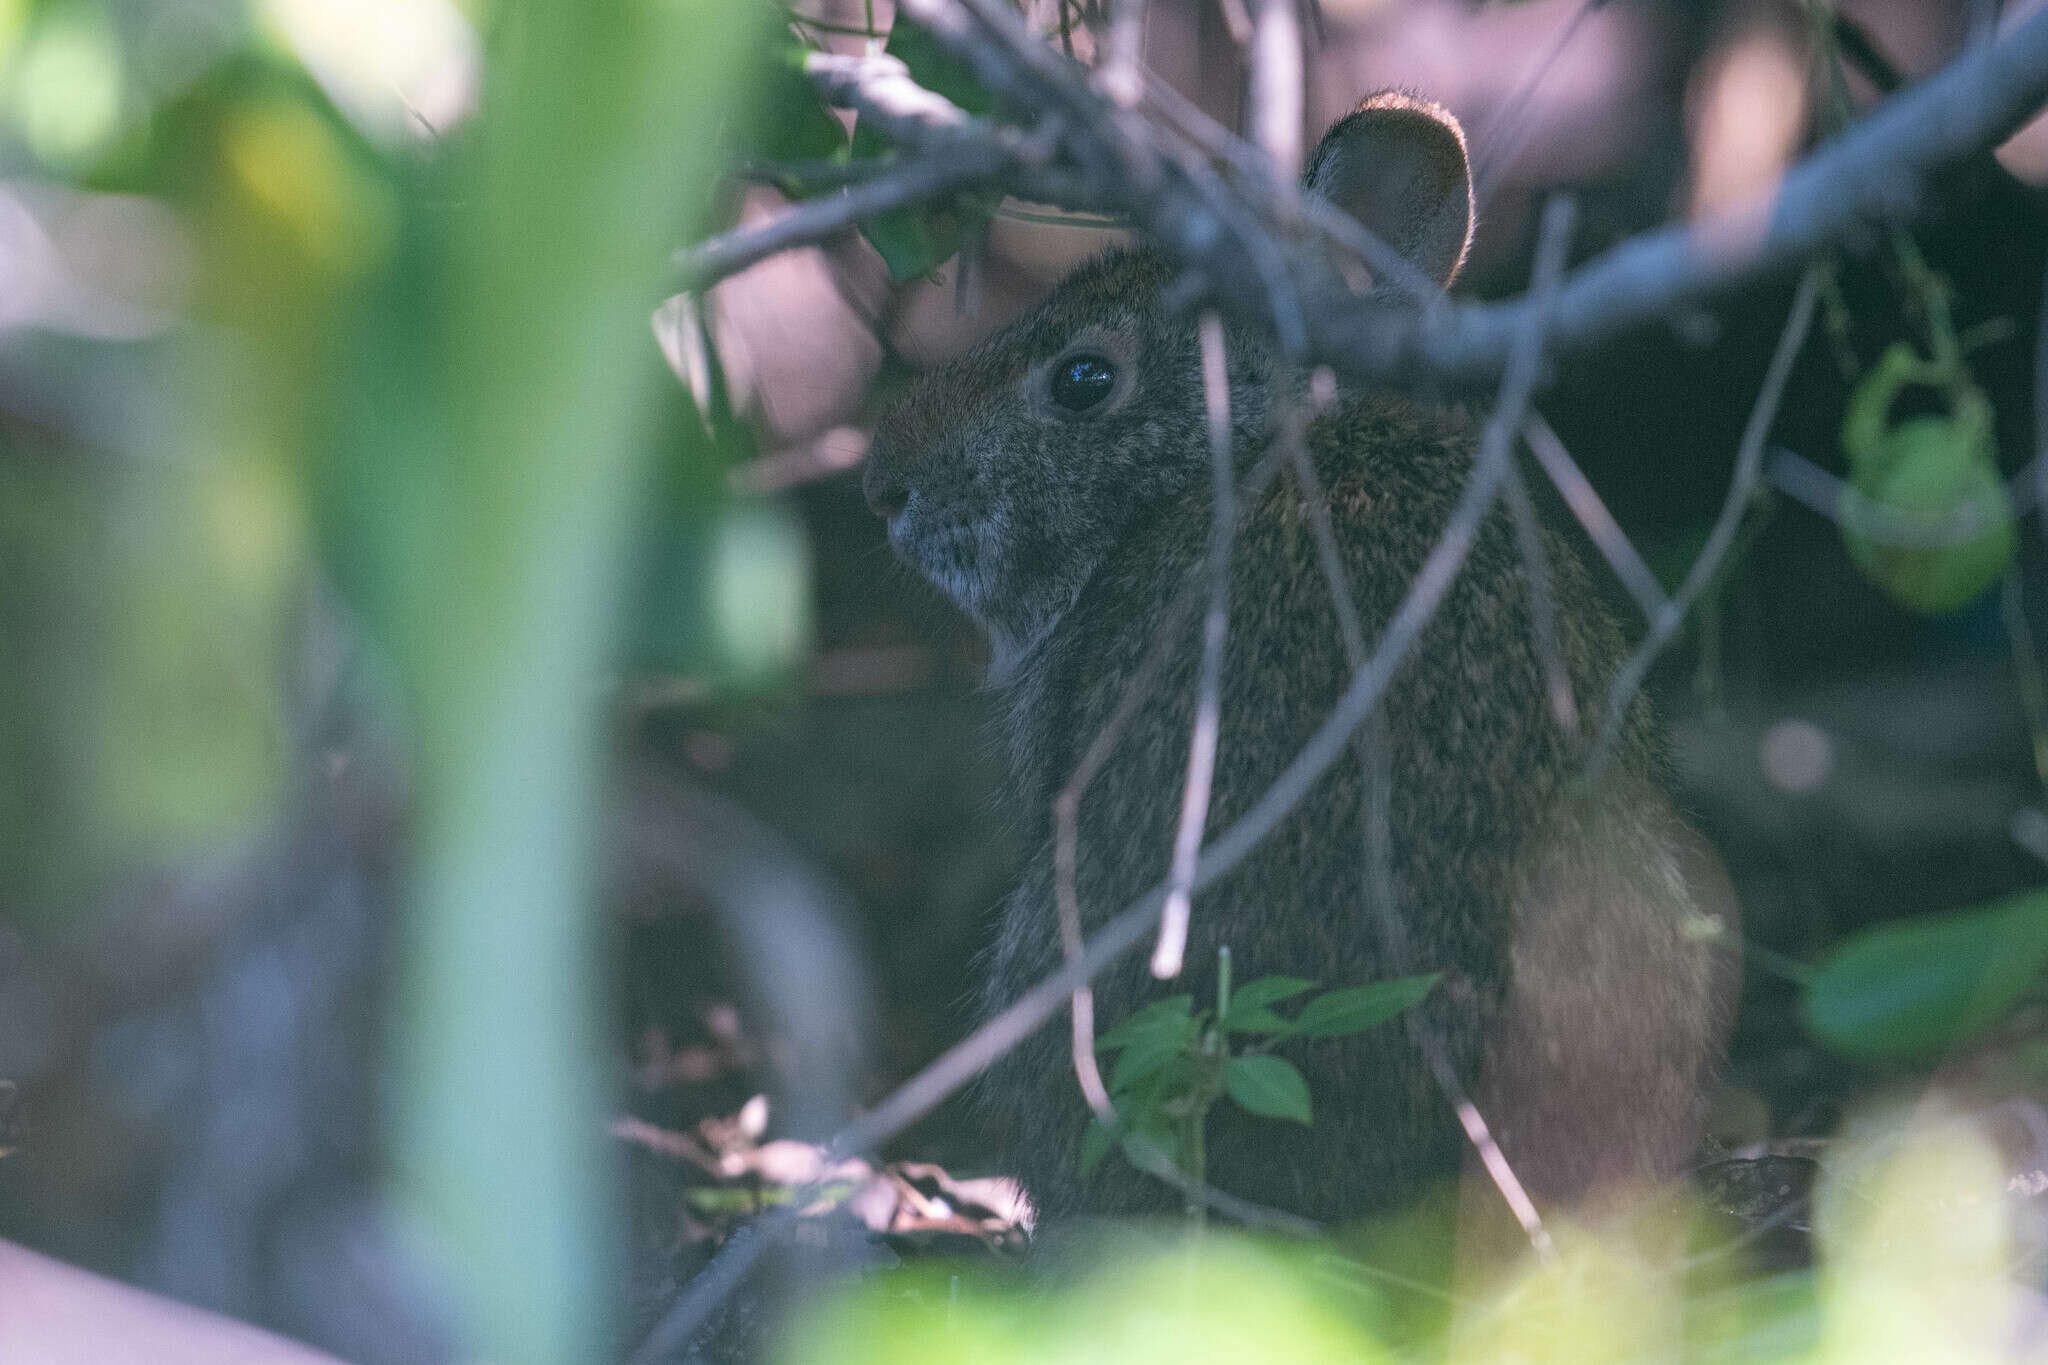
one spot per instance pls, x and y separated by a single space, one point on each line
1174 1061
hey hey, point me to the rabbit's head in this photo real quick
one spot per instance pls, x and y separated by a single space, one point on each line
1007 475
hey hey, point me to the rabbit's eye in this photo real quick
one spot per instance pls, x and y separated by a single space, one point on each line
1081 381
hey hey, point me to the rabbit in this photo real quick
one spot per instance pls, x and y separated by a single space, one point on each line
1055 483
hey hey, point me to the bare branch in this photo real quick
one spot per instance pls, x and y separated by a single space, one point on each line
1090 152
1742 486
893 104
1507 129
1606 534
1872 172
1194 807
814 220
1067 811
1557 681
1431 582
1379 881
1808 484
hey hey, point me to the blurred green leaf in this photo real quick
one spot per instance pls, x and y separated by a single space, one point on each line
503 410
1270 1087
1358 1008
68 86
1915 988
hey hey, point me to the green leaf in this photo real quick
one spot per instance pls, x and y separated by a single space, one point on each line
1359 1008
1171 1013
1919 986
1144 1146
913 242
1256 1019
1268 990
1096 1144
1148 1055
789 122
932 67
1267 1086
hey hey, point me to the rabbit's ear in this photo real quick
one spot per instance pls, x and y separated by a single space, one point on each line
1397 164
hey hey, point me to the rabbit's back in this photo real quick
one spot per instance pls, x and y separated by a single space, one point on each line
1566 922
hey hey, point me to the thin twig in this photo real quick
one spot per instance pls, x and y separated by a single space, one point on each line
1497 444
1194 804
1507 129
973 1054
814 220
1329 555
1883 524
1380 257
1379 882
1557 681
1425 593
1873 171
1742 487
1067 806
1154 1161
1606 534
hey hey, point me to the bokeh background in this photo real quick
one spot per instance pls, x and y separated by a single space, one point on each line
352 494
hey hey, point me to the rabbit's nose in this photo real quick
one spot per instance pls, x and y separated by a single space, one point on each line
887 495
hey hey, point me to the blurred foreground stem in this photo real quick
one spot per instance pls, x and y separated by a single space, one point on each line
593 156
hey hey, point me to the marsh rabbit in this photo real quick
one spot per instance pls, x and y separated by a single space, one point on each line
1055 482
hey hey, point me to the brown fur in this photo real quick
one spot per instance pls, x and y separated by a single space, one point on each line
1580 1003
